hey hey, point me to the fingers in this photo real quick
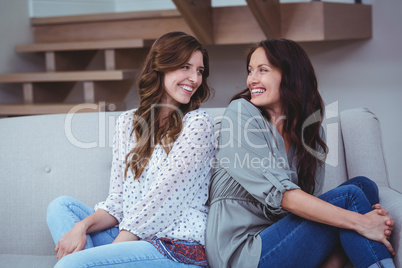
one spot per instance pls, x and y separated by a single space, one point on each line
390 222
62 255
57 249
389 247
63 251
376 206
388 234
59 254
382 212
76 249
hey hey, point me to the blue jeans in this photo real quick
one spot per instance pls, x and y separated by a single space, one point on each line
99 251
296 242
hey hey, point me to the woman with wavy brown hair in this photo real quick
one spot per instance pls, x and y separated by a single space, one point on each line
155 213
263 209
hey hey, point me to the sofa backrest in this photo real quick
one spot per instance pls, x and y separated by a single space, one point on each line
363 145
43 157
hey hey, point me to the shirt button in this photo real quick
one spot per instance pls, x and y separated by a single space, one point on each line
48 169
264 171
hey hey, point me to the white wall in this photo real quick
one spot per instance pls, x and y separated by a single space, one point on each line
365 73
369 74
50 8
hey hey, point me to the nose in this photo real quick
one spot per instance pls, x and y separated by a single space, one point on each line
193 76
253 78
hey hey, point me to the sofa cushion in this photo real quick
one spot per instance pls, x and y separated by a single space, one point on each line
24 261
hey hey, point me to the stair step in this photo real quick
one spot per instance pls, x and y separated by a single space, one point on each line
56 108
67 76
114 16
83 45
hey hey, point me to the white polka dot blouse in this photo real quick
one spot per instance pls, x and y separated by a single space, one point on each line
168 200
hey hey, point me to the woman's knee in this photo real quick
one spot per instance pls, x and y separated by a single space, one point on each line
57 204
352 190
369 188
69 261
357 199
364 181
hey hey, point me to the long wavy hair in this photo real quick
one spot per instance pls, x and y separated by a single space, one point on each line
168 53
300 99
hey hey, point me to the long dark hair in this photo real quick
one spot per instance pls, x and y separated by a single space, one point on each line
300 99
168 53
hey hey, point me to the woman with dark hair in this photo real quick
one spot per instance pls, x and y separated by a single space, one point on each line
263 209
155 214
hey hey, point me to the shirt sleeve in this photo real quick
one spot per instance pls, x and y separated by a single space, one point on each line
248 150
114 202
179 179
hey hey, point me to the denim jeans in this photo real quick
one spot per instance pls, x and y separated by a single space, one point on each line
296 242
99 251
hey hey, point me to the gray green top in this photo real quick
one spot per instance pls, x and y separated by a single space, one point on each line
253 171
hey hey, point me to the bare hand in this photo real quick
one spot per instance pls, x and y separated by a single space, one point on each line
390 223
375 227
72 241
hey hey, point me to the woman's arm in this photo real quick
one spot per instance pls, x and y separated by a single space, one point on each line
108 213
371 225
75 239
126 236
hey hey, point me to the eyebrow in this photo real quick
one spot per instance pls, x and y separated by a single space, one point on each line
264 64
201 67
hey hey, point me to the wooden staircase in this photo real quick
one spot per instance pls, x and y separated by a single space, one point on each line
68 67
73 45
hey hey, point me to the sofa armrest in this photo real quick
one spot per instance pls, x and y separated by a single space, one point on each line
392 200
362 139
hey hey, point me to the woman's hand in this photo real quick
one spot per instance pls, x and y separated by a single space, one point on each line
72 241
76 238
376 226
125 236
390 223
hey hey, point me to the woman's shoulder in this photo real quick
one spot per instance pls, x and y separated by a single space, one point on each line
124 122
197 115
242 107
126 116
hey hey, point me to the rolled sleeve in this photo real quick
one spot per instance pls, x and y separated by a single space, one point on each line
248 150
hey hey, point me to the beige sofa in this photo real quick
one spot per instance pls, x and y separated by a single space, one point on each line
42 157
